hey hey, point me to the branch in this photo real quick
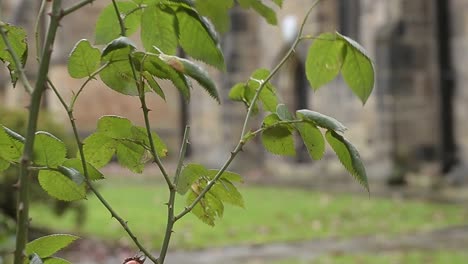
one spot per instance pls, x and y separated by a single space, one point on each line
19 66
76 6
23 182
36 30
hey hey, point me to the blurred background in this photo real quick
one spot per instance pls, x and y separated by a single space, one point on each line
411 135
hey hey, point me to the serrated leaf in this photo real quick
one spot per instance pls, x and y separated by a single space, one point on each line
208 209
197 39
60 186
324 59
84 60
225 190
262 9
283 113
140 134
158 28
194 71
270 120
216 11
153 84
4 164
18 41
358 69
48 150
349 157
118 43
107 25
279 140
313 139
158 68
131 156
115 127
321 120
189 174
227 175
118 74
99 149
11 148
76 164
73 174
49 245
56 261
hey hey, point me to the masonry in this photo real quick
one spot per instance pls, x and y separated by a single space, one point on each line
415 121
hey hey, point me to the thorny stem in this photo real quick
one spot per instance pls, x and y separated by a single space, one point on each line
242 140
16 59
23 182
183 151
123 30
104 202
90 78
76 6
36 30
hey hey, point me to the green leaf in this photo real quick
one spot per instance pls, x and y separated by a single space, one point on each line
267 95
131 156
283 113
139 133
118 74
48 150
349 157
35 259
189 174
193 70
208 209
237 92
60 186
153 84
227 175
278 2
4 164
216 11
279 140
321 120
197 39
49 245
225 190
84 60
115 127
11 148
18 40
358 69
158 28
99 149
158 68
262 9
56 261
313 139
118 43
76 164
107 25
324 59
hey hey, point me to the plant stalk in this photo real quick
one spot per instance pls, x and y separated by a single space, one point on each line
76 6
26 159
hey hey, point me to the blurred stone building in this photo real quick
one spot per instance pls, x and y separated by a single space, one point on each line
415 121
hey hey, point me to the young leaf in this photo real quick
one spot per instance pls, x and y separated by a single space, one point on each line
262 9
313 139
115 127
76 164
83 60
118 75
197 39
193 70
139 133
279 140
107 25
208 209
48 150
4 164
321 120
358 69
158 28
324 59
227 175
227 192
237 92
216 11
267 95
11 148
189 174
118 43
72 174
283 113
131 156
153 84
49 245
349 157
60 186
18 40
99 149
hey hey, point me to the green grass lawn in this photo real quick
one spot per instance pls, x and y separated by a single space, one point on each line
412 257
271 214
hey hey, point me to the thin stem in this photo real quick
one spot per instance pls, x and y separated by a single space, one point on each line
242 140
76 6
183 151
23 182
103 201
16 60
90 78
36 30
123 30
